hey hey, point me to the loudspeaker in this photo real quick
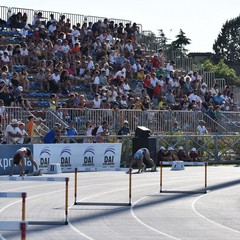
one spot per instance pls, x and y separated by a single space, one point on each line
142 132
149 143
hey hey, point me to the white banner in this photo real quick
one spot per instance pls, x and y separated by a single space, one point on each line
84 156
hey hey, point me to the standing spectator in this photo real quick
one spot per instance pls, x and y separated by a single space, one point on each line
37 132
52 135
12 132
71 131
22 131
102 132
88 134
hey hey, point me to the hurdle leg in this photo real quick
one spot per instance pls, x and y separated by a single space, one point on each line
130 187
23 230
206 164
161 177
75 187
24 206
66 202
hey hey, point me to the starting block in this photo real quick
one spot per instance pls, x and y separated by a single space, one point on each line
177 165
54 168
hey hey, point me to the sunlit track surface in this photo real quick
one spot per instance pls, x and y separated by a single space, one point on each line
181 215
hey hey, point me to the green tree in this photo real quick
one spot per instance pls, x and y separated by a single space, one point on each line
181 42
161 38
227 44
222 70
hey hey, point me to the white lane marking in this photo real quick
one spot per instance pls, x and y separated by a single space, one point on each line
147 226
2 238
207 219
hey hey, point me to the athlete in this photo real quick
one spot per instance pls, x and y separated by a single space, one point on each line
18 159
139 157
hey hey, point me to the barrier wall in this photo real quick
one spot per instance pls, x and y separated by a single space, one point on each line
84 157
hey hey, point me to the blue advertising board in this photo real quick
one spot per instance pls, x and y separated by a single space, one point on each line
6 156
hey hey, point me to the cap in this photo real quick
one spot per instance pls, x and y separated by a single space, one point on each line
2 81
38 119
125 121
193 149
20 88
21 123
170 149
14 121
162 148
180 148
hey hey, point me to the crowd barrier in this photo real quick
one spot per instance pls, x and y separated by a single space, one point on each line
15 225
46 179
162 163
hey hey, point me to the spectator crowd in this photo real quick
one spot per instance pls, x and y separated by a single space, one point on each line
104 58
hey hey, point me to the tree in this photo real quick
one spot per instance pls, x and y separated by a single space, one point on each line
222 70
181 41
227 45
161 38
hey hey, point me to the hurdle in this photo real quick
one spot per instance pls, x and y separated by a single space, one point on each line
102 204
46 179
15 225
205 164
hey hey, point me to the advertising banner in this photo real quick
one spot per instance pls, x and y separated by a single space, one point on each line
6 156
84 156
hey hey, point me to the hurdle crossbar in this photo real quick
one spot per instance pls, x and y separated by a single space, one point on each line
15 225
205 164
101 204
48 179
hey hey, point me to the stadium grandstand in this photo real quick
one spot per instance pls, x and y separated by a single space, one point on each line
73 70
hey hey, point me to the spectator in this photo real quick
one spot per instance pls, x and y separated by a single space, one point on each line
102 132
161 155
52 136
88 134
38 132
170 155
12 132
22 131
193 155
182 155
71 132
124 130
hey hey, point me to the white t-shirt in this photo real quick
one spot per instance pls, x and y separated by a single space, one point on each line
202 130
13 130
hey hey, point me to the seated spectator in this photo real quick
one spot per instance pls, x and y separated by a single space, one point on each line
161 155
170 155
125 129
182 155
193 155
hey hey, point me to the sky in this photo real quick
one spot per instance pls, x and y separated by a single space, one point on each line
201 21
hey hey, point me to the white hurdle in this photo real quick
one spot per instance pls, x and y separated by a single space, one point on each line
15 225
205 164
46 179
103 204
